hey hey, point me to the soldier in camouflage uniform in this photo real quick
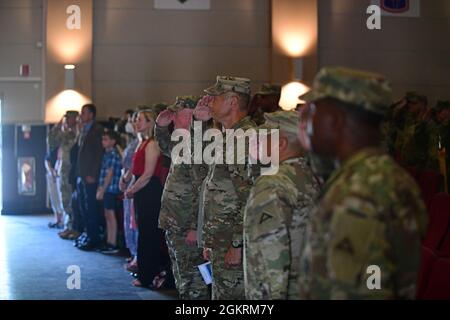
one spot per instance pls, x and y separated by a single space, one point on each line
405 129
265 101
370 215
159 107
66 137
178 215
438 137
414 131
226 191
276 216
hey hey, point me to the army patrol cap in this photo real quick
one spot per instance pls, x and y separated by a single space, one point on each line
72 113
285 121
226 84
269 89
184 102
159 107
369 91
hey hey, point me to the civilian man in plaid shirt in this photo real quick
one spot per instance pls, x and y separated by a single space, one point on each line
108 188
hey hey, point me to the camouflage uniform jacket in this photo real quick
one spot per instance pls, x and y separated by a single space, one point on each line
65 140
369 213
180 199
275 223
225 195
162 135
413 149
199 173
177 198
179 203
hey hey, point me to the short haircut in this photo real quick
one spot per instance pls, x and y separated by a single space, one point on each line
129 112
92 108
112 135
243 100
291 138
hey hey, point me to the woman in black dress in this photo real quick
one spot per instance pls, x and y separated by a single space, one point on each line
146 190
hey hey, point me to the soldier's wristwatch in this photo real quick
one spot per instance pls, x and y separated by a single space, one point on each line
236 244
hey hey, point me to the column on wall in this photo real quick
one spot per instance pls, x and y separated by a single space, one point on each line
68 62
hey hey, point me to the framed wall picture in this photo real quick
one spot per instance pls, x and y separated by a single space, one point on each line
27 176
399 8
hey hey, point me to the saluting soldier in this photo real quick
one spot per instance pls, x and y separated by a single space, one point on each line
179 204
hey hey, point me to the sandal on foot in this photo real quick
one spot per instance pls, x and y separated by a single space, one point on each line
138 284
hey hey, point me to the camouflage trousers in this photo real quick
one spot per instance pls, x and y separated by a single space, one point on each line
185 259
66 190
228 283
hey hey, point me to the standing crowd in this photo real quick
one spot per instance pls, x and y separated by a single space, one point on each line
337 205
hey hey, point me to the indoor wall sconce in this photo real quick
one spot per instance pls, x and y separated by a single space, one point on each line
69 83
291 91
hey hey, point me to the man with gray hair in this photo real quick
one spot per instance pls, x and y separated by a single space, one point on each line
276 216
225 193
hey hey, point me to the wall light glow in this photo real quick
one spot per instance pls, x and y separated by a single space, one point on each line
295 44
68 49
294 27
290 93
61 103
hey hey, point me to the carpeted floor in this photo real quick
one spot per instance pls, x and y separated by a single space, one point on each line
34 262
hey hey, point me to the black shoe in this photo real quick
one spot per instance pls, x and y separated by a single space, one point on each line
89 246
109 249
